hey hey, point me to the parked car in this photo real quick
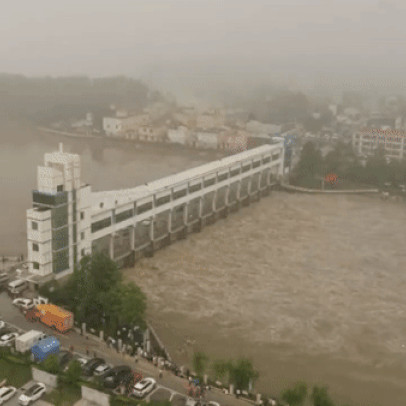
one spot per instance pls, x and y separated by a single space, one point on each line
33 393
192 402
101 369
144 387
6 393
91 365
6 330
82 361
17 286
8 339
117 376
24 304
64 357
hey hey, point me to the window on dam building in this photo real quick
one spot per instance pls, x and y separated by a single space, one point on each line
123 216
144 207
99 225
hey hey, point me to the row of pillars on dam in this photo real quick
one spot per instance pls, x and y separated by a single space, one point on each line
153 233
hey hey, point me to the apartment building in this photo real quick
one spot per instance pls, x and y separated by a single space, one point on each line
365 144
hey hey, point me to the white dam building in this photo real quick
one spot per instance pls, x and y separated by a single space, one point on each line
68 220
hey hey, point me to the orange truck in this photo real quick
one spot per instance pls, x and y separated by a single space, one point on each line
53 316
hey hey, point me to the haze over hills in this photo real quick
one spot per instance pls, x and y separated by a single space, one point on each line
197 47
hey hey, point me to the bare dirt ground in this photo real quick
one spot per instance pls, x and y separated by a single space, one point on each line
309 287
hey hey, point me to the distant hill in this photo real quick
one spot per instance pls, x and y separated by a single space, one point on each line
45 99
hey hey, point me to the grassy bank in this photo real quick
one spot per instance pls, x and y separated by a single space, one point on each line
16 371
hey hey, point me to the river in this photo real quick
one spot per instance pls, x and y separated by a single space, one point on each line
309 287
106 164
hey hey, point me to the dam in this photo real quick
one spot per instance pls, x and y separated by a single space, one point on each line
68 220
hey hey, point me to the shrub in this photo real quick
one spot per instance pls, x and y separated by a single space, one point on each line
73 373
51 364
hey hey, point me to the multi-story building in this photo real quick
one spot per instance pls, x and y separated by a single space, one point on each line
68 220
119 126
367 143
58 225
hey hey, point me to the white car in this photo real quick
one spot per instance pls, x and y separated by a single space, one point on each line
7 393
33 393
192 402
82 361
8 339
144 387
25 304
101 369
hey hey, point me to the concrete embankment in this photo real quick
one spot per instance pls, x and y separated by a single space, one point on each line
291 188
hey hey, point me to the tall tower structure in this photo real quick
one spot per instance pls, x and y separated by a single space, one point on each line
58 225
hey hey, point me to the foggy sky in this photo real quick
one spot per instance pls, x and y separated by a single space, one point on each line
176 42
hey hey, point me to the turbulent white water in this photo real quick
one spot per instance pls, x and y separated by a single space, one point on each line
293 281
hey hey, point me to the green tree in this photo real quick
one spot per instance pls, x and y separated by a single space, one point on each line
132 305
73 373
309 169
377 170
51 364
200 360
96 292
295 396
220 369
241 373
340 159
320 396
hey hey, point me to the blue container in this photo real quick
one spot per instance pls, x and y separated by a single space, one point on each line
45 348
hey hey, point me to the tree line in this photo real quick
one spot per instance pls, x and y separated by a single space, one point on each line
242 374
47 99
351 172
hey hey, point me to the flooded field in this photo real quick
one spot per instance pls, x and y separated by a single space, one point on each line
309 287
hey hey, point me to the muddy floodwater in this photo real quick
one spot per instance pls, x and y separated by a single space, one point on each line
309 287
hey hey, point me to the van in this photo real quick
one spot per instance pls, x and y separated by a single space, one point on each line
26 341
54 317
17 286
